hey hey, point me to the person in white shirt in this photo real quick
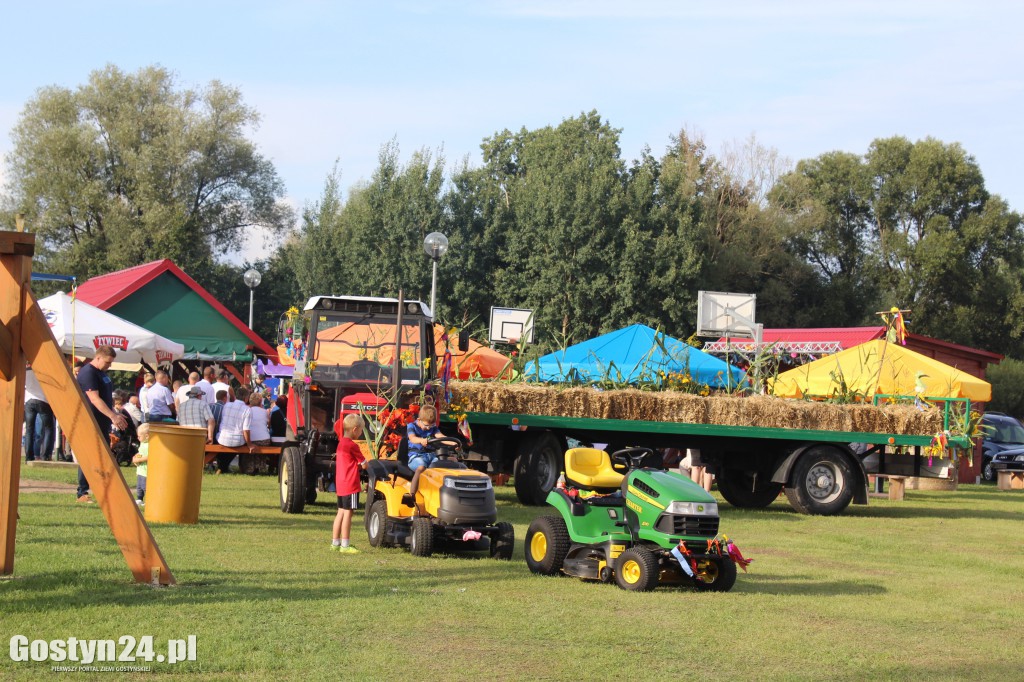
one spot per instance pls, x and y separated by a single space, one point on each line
160 399
38 445
182 394
259 428
133 408
223 383
206 383
147 383
235 422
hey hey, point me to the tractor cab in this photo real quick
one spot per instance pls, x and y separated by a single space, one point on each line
351 354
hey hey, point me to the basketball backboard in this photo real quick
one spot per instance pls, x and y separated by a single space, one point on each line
509 325
726 314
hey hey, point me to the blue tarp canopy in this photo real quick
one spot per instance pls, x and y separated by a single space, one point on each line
630 355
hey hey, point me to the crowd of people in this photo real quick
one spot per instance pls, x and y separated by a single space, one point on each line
233 416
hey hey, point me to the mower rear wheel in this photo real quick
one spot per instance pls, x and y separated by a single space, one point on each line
546 545
717 574
422 538
378 525
636 569
503 542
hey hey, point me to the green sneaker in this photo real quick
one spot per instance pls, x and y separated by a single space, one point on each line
335 548
348 550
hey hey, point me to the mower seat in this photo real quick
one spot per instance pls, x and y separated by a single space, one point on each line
591 469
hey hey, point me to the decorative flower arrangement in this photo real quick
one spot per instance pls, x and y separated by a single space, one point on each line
394 423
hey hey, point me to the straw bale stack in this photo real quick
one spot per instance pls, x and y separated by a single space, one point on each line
670 406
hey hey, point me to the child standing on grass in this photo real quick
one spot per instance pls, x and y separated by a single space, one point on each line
141 462
349 460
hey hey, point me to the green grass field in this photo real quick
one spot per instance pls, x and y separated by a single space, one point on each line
925 589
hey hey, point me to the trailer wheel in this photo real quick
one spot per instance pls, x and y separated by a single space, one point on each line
546 545
636 569
718 574
821 482
537 468
291 479
422 540
503 542
743 490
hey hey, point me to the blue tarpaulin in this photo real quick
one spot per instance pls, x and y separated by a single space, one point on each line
630 355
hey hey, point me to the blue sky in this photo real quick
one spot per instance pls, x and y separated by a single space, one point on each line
333 81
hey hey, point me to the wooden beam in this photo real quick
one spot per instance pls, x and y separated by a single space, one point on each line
15 274
17 244
92 448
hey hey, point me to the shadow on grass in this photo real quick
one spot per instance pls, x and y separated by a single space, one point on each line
83 588
917 511
803 586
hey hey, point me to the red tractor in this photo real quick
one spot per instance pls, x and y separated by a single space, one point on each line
349 357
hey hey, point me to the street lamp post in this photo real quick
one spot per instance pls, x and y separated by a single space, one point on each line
435 244
252 279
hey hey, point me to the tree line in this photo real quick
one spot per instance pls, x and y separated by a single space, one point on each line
130 167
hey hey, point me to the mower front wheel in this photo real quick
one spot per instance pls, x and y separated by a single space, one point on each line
637 570
546 545
503 542
422 539
717 574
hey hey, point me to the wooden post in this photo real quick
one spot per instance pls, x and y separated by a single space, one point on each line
16 249
92 449
897 486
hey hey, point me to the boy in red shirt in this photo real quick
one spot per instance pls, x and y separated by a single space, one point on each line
349 460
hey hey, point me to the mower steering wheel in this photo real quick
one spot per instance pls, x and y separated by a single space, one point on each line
631 458
445 443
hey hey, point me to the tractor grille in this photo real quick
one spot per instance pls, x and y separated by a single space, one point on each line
678 524
466 483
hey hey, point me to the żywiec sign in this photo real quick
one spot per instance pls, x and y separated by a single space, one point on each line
118 342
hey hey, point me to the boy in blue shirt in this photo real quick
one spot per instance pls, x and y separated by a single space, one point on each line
419 434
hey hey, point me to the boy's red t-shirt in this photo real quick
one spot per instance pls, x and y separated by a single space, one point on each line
346 476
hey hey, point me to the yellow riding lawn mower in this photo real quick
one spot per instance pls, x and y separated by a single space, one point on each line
454 507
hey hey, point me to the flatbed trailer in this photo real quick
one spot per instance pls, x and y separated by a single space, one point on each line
821 471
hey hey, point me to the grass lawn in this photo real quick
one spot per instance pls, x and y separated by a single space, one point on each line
925 589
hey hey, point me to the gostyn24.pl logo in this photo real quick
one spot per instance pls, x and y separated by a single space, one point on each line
126 649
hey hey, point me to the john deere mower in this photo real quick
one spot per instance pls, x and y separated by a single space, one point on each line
641 527
453 509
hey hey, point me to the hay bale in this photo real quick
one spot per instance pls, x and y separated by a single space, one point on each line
670 406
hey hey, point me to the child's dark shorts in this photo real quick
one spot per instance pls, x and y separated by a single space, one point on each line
348 501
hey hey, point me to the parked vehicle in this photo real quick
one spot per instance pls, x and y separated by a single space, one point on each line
1002 446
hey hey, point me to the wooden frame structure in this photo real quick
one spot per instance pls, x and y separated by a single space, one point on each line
26 337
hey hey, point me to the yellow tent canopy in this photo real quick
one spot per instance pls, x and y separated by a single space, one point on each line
879 367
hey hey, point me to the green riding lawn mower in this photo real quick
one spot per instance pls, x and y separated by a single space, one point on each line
640 527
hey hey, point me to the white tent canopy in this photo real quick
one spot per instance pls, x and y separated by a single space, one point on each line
81 328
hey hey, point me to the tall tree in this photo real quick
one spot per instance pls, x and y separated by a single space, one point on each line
128 168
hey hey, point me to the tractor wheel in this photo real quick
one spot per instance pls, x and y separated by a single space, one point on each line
537 467
291 479
821 482
717 574
503 542
378 526
422 537
546 545
637 569
743 490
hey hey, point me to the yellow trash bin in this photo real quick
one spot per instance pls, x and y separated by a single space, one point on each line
175 479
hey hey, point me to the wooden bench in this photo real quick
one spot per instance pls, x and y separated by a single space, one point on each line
214 449
1010 480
